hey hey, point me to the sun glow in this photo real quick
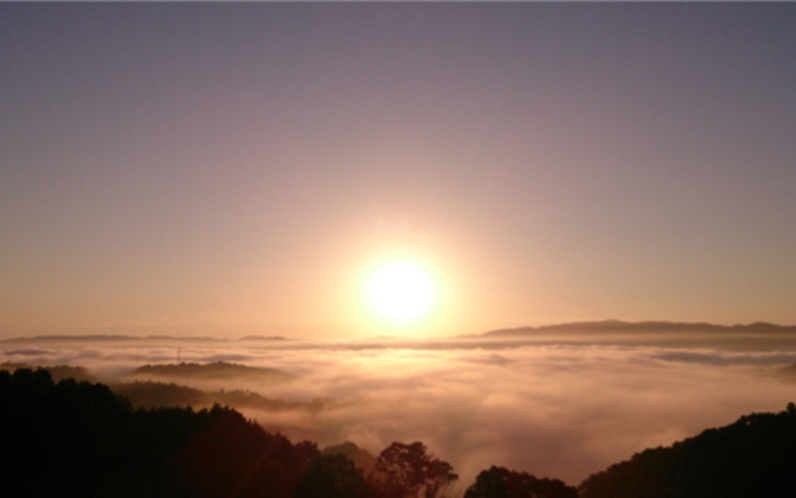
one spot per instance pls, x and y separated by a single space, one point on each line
401 292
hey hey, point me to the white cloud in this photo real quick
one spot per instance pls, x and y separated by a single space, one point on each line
557 410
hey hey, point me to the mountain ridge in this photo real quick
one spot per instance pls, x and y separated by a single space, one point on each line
135 338
619 326
609 326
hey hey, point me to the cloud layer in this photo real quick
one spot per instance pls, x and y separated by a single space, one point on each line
559 410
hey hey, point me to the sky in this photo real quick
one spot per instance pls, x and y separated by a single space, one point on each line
237 169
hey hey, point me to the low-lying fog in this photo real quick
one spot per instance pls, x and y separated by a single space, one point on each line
561 410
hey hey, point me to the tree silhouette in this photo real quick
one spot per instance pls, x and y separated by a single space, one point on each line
499 482
331 476
406 470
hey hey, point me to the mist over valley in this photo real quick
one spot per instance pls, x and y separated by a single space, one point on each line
564 401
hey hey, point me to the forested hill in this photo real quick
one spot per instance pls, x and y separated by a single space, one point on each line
754 457
80 439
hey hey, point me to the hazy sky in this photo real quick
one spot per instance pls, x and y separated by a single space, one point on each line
236 169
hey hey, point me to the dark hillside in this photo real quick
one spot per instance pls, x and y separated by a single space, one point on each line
80 439
57 372
753 457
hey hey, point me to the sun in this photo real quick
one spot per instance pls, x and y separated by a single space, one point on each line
401 292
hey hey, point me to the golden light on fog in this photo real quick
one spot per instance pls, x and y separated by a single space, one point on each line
401 291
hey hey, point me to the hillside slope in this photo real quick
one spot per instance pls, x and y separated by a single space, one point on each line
753 457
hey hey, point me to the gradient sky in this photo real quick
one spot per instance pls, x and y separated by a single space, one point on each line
237 169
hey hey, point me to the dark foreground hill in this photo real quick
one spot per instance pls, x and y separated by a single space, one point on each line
80 439
753 458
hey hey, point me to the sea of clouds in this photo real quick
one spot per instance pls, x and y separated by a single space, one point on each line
557 410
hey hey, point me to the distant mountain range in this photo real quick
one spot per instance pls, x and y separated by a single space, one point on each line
121 338
596 328
617 326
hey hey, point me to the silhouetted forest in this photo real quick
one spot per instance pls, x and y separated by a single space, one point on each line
75 438
498 482
57 372
754 457
80 439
